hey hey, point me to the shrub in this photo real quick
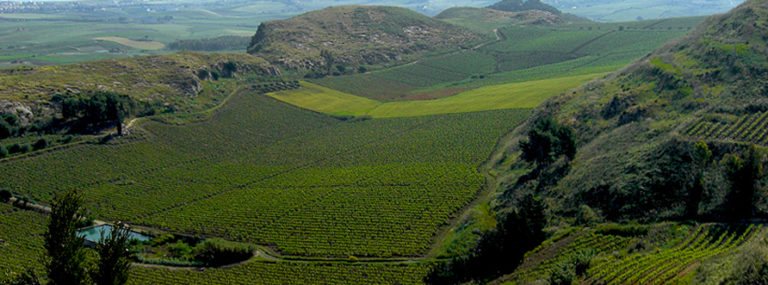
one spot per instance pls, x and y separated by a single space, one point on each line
25 149
216 252
5 195
581 260
14 148
40 144
3 152
181 250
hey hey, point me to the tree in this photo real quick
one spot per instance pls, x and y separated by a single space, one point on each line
5 195
114 263
329 60
65 262
547 140
701 158
743 175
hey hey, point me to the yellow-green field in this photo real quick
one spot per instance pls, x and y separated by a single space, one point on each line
146 45
527 94
325 100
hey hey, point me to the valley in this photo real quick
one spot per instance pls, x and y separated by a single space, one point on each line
378 145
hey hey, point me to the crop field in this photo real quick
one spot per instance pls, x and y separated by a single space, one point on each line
749 128
145 45
269 173
526 94
661 260
22 231
551 51
288 273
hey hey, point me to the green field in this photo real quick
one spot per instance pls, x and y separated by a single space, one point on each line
522 53
527 94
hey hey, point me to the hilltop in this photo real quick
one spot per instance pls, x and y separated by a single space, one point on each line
353 36
485 15
520 5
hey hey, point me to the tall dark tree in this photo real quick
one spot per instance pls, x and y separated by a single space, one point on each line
743 174
701 158
114 263
65 260
547 140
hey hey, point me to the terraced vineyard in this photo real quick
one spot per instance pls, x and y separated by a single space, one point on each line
667 257
673 264
265 172
749 128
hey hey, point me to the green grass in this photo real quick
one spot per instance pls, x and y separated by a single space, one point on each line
526 94
317 98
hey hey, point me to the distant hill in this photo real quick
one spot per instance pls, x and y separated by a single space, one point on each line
354 35
485 15
520 5
630 10
635 129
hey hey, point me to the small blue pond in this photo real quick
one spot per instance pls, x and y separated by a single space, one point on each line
93 234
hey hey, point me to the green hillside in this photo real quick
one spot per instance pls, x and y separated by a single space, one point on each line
668 137
353 36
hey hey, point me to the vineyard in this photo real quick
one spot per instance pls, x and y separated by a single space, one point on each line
288 273
749 128
597 47
22 231
527 94
264 172
645 258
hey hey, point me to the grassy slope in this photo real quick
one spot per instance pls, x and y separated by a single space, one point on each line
504 96
628 149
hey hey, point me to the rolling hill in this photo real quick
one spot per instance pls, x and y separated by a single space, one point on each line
353 36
